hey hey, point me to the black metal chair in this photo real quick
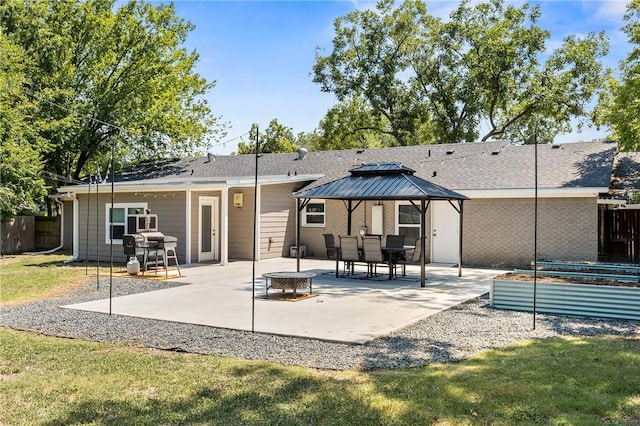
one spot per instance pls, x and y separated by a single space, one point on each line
414 259
394 241
330 245
397 242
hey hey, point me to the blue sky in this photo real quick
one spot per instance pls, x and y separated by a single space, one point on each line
261 53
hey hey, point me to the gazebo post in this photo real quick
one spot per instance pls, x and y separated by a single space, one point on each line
349 210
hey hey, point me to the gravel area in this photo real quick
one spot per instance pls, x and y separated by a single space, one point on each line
449 336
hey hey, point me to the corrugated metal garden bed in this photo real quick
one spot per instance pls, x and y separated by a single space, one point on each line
587 294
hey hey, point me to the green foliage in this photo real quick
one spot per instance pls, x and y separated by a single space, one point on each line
122 64
276 138
352 124
620 106
22 189
415 75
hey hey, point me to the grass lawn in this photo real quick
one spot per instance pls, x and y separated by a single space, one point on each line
24 278
53 381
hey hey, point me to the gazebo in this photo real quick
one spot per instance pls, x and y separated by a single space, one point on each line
383 181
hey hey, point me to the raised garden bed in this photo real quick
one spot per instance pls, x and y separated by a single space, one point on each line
594 296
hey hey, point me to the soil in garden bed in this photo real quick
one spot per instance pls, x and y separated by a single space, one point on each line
568 280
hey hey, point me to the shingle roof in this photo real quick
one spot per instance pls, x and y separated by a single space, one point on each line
626 171
466 166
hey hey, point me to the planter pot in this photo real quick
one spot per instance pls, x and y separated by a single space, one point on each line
601 301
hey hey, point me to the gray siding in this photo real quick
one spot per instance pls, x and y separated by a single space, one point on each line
171 221
241 225
67 225
277 220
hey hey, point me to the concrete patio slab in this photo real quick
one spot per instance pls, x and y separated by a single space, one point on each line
348 310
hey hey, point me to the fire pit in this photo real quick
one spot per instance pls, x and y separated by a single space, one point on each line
289 281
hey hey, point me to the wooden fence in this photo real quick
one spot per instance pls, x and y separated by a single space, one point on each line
47 232
620 240
28 233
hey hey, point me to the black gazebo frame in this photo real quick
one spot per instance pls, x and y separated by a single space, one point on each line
380 182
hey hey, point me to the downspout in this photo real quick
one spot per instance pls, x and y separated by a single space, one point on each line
76 230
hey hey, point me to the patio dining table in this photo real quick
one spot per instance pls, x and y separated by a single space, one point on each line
392 254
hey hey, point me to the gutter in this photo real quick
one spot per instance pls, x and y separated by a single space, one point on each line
529 192
197 183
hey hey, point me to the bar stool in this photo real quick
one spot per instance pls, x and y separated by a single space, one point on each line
169 246
170 253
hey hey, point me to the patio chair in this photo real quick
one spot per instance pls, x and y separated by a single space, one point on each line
330 246
414 259
349 252
372 248
396 241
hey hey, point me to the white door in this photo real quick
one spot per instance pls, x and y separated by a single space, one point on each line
207 229
445 226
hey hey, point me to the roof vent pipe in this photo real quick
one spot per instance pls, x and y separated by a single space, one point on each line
302 152
210 157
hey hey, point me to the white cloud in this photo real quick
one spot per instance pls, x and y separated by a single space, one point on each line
613 10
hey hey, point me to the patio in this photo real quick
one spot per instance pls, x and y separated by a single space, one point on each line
347 310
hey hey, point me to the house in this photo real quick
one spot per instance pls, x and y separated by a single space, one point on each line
208 202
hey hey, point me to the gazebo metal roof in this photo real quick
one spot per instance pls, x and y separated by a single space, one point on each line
383 181
380 181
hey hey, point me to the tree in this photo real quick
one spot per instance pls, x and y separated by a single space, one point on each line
276 138
477 75
352 124
105 75
620 107
22 189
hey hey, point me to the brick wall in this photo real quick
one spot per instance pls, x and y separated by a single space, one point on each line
499 232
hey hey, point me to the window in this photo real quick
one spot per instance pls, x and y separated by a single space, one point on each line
408 222
116 220
313 214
